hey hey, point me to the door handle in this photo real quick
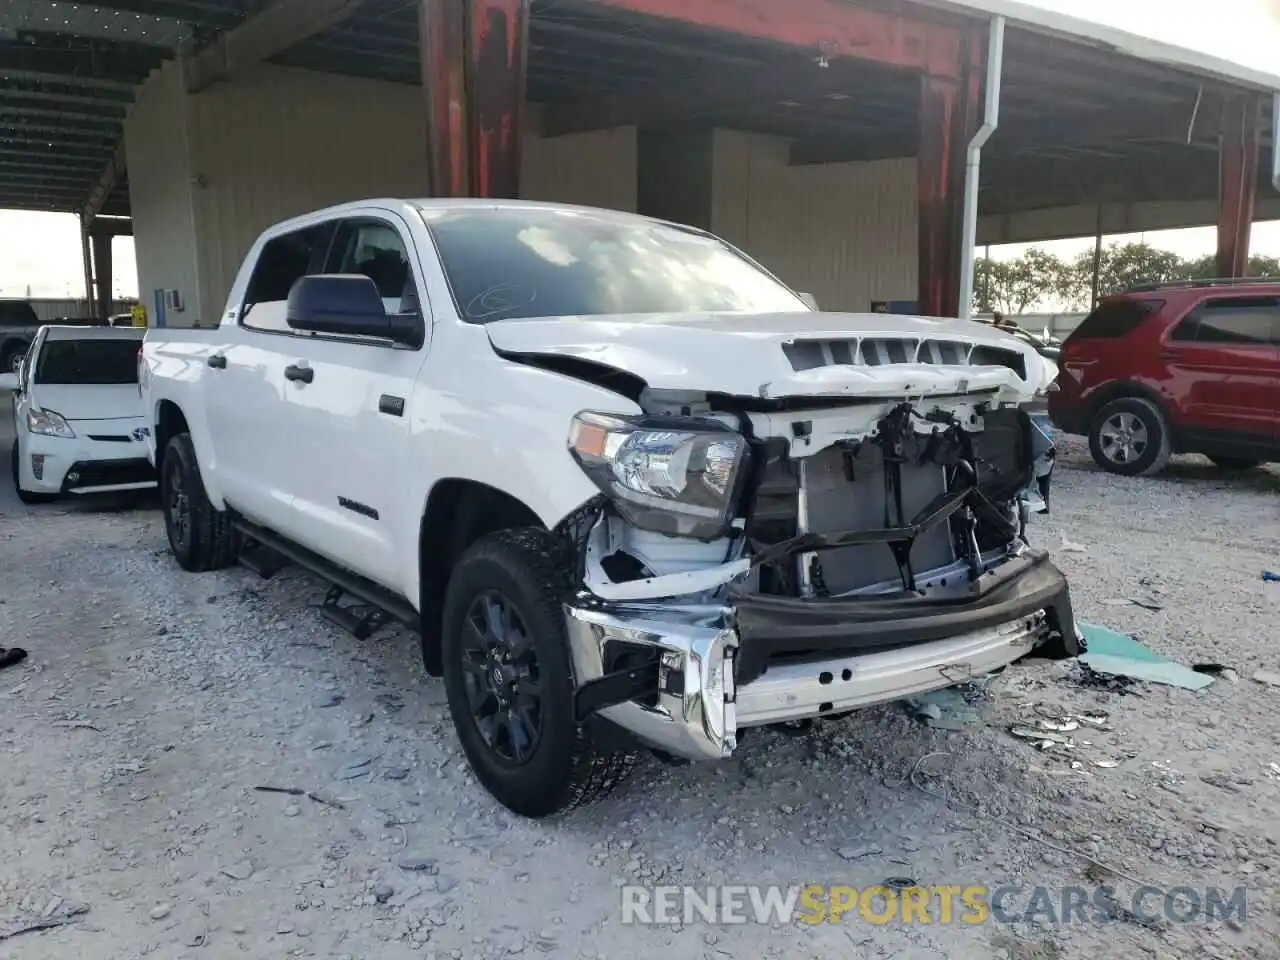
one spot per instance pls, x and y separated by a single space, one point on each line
217 361
299 374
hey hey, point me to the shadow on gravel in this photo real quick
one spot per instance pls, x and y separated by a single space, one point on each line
1191 470
1197 471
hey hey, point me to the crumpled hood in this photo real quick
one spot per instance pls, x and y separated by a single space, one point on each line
781 355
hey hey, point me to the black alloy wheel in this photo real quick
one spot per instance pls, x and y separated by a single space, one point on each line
502 678
177 505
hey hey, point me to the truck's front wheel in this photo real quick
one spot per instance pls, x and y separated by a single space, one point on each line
200 535
508 679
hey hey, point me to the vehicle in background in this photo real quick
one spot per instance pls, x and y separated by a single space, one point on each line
18 326
631 490
1189 367
79 421
19 323
1044 343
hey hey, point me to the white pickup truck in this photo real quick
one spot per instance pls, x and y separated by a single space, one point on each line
631 490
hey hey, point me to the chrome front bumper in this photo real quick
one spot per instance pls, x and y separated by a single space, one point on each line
699 708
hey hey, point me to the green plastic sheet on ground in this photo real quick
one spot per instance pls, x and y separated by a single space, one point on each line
1118 654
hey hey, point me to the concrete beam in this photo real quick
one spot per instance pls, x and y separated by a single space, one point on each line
830 28
275 28
105 186
1188 124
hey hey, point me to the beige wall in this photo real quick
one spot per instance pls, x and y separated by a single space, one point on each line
156 151
845 232
596 169
282 142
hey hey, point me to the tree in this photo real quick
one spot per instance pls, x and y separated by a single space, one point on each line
1012 286
1206 267
1126 265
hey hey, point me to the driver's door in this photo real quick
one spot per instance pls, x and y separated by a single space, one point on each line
349 424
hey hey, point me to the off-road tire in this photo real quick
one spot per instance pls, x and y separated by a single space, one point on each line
1235 464
25 496
213 543
1160 440
566 769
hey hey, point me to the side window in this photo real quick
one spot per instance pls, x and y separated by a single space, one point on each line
375 249
1242 321
283 260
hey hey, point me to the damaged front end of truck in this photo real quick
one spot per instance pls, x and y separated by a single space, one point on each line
840 539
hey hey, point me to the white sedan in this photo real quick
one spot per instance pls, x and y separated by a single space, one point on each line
78 416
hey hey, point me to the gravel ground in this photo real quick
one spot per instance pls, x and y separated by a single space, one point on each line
155 701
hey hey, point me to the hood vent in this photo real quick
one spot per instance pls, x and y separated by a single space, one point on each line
883 351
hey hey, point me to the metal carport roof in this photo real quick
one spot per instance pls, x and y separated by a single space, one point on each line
1080 122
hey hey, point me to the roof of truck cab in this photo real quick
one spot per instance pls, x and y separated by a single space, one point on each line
406 206
60 332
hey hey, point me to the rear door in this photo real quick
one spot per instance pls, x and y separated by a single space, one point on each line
245 385
348 426
1222 357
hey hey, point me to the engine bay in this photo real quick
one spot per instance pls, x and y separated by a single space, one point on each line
874 498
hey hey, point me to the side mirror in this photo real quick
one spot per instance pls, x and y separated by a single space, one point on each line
809 300
9 382
348 304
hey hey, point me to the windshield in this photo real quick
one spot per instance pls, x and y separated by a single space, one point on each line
88 362
514 263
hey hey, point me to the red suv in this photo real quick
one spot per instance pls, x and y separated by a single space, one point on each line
1176 368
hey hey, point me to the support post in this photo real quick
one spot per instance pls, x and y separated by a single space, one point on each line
87 261
1237 183
473 55
950 106
102 273
1097 261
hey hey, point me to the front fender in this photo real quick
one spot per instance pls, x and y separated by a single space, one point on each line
506 426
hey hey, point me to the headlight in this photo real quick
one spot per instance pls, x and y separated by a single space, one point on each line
49 424
677 477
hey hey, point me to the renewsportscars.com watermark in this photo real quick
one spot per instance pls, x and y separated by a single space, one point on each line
942 904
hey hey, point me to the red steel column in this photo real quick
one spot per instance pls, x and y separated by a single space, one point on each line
950 112
1237 183
473 74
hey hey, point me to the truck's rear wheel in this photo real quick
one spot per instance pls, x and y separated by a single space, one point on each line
200 535
508 678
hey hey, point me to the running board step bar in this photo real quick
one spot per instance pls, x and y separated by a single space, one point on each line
359 621
262 560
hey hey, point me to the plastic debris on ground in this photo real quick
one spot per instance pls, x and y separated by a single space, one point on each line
1049 733
951 708
1069 546
1118 654
1268 678
1269 577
